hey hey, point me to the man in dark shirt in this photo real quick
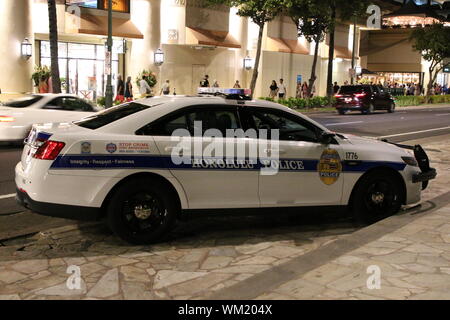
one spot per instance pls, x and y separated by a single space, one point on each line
335 88
205 82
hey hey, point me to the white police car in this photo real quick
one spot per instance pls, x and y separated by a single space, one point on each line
138 165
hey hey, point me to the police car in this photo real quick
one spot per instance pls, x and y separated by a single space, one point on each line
137 165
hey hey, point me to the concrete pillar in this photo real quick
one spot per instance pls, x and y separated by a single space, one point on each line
145 14
15 26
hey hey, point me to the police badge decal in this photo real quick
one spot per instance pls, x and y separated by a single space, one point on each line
329 166
85 147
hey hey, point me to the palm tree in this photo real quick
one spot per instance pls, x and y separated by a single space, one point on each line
53 34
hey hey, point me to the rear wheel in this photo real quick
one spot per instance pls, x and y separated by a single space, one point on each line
142 211
377 196
369 110
341 112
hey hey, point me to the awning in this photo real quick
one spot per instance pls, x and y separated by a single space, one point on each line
286 45
197 36
98 25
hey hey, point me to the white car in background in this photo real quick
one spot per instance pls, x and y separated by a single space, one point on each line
17 116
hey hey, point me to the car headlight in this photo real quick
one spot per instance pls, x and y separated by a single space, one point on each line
410 161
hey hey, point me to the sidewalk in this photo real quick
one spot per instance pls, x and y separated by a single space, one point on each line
247 259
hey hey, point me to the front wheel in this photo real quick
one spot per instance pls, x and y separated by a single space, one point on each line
141 211
391 108
376 196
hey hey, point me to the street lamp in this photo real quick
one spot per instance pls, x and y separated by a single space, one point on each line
26 49
159 57
248 63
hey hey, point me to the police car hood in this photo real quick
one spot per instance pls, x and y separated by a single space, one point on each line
373 144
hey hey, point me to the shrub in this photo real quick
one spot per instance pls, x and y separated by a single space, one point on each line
300 103
151 78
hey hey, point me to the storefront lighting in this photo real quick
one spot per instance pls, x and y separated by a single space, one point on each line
26 49
159 57
248 63
358 71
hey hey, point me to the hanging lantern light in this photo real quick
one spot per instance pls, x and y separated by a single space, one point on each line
26 49
248 63
159 57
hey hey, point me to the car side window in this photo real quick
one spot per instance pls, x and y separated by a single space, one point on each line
290 127
54 104
217 118
75 104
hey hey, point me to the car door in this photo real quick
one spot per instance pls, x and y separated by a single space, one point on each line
309 173
208 179
379 101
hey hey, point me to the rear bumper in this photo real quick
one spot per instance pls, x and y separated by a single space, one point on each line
349 106
57 210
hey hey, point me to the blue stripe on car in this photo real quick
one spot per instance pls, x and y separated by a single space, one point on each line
165 162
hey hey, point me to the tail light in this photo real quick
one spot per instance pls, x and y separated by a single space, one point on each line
338 95
49 150
6 119
360 95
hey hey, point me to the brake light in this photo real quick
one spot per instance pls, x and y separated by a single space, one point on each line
338 95
6 119
49 150
360 95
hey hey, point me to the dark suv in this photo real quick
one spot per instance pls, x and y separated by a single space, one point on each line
364 98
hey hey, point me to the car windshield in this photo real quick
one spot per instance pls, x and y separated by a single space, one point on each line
354 89
110 115
23 102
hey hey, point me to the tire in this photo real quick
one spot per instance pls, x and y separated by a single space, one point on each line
341 112
391 108
369 110
376 196
142 211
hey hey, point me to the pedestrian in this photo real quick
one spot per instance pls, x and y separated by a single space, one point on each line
412 89
128 90
165 89
144 88
305 89
282 91
298 90
216 84
237 85
313 91
120 89
273 89
336 88
345 83
205 82
43 85
417 90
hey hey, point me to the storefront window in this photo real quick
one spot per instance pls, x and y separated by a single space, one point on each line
117 5
81 67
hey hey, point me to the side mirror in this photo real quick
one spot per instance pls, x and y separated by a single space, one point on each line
326 137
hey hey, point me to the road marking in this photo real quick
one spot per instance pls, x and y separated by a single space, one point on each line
343 123
6 196
414 132
442 114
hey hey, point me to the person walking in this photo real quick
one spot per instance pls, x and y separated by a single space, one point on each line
305 90
128 90
205 82
282 91
165 89
298 90
144 88
237 85
313 91
336 88
216 84
273 89
120 89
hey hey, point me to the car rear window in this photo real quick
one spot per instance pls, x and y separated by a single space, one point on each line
22 102
354 89
110 115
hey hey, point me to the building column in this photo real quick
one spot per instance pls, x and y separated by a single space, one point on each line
15 26
145 14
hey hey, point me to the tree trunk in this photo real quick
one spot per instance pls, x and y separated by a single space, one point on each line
331 51
257 59
313 77
53 34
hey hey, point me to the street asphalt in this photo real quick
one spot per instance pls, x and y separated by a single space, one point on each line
403 125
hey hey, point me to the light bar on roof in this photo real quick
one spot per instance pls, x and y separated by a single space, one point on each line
244 92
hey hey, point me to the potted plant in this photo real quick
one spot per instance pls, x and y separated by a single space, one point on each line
40 77
151 78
